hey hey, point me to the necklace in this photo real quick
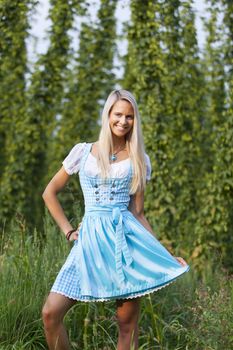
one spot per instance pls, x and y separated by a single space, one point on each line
113 156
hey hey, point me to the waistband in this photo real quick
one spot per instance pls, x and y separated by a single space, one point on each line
105 209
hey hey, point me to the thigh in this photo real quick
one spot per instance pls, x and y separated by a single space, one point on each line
57 305
128 310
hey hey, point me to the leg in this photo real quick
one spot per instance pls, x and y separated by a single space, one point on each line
127 317
54 310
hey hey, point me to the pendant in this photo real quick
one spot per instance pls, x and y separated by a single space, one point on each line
113 157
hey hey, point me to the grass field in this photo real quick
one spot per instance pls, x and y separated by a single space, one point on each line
194 313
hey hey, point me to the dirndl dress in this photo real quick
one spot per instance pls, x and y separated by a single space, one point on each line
115 256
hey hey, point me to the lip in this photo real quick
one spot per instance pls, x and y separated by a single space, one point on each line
121 128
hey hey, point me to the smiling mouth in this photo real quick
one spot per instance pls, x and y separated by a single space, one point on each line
121 128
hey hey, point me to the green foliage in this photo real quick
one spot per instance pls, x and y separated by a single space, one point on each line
46 93
213 230
89 80
15 129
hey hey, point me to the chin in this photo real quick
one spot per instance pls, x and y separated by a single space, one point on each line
119 133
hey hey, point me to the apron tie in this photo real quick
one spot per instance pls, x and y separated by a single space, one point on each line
121 247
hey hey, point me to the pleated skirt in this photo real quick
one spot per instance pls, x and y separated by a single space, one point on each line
115 260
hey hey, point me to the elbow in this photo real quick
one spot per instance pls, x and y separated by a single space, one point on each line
138 214
44 195
47 193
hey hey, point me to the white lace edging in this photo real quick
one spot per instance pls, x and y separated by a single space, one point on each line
132 296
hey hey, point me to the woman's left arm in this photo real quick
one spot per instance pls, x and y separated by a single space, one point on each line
136 206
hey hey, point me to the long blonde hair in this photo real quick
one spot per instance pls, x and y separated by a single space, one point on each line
134 141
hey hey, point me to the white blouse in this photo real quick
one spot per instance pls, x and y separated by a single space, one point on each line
120 169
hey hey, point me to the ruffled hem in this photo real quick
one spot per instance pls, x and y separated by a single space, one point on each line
131 296
113 298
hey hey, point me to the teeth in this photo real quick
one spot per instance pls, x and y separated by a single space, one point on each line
120 127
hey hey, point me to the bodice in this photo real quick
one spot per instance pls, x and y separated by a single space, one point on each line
108 191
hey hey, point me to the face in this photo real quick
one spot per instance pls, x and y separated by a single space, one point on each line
121 118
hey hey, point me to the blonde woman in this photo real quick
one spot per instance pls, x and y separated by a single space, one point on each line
115 255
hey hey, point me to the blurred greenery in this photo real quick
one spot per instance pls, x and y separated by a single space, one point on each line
186 105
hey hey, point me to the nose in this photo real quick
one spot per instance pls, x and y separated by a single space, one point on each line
123 120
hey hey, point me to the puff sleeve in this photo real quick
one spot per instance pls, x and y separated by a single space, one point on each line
72 161
148 167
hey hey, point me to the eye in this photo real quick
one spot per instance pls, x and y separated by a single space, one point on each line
130 117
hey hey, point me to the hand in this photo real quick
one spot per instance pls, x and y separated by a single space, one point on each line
74 235
181 260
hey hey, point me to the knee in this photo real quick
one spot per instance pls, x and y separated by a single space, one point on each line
126 325
49 317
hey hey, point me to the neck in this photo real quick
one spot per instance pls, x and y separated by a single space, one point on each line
118 141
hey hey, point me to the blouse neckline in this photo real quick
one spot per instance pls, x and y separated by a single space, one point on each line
127 159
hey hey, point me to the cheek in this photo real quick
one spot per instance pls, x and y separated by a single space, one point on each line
131 124
111 119
114 121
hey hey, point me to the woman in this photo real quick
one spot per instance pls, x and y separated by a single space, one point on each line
115 253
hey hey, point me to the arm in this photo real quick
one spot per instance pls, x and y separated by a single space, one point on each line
136 206
49 196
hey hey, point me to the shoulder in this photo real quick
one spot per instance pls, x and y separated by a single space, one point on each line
95 147
72 161
78 147
77 150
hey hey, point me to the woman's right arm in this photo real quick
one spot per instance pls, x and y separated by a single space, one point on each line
49 196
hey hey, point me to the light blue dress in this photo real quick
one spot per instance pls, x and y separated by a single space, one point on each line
115 256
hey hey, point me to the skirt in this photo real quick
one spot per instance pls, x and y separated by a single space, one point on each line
115 257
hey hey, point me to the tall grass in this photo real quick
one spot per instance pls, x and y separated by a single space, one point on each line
194 313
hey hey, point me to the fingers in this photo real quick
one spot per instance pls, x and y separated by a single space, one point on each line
181 261
74 235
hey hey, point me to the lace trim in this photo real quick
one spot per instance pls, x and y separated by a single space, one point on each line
132 296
